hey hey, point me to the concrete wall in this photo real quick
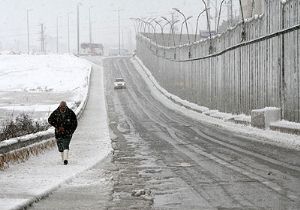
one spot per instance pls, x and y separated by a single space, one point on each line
254 75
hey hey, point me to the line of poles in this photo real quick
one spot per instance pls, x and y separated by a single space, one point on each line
57 30
143 26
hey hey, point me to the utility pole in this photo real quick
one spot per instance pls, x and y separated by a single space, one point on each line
90 30
42 39
122 39
78 29
57 34
119 26
28 40
119 31
69 33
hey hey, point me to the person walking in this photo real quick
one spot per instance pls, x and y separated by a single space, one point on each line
64 120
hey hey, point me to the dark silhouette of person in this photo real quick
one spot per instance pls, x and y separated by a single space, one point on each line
64 120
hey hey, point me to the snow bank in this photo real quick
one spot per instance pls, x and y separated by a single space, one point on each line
35 84
42 73
286 127
84 70
25 183
184 107
287 124
242 119
48 133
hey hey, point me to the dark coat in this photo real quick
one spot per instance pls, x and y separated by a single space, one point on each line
68 121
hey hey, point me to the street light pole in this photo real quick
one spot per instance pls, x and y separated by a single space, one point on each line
161 28
216 14
219 16
231 13
181 32
78 42
173 31
28 39
150 20
57 34
90 29
119 26
208 26
171 27
243 22
143 25
140 25
154 30
184 22
198 22
187 29
69 33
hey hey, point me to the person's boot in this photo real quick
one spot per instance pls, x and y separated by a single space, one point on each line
66 156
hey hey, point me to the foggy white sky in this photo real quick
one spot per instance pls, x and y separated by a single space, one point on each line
13 32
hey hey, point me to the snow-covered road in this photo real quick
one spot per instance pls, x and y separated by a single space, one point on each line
187 162
176 161
25 182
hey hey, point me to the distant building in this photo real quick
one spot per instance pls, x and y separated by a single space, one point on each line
91 49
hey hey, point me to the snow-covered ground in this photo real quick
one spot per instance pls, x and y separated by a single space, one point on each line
166 98
25 182
35 84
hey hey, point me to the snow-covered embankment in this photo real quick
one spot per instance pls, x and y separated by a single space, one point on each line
45 80
25 183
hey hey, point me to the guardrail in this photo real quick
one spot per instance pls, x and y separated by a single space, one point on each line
20 148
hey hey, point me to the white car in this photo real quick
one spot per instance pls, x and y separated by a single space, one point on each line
119 83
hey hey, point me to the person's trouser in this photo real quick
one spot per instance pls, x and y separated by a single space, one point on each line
63 143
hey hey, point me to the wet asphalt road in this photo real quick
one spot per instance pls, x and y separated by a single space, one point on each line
187 165
180 163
